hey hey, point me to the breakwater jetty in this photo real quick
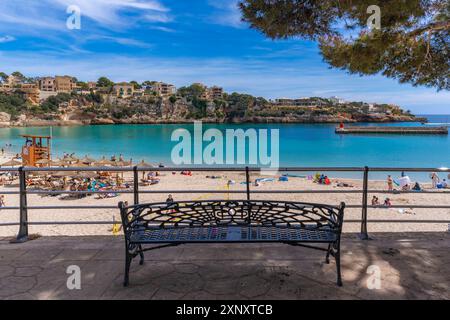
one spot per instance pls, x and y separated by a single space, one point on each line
392 130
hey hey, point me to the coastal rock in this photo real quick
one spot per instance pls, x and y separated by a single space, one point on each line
102 121
5 117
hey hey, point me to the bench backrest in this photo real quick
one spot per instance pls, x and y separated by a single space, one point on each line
229 213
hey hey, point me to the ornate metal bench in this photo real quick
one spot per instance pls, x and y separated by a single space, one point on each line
299 224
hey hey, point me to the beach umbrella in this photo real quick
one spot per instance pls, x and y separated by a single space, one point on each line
11 163
78 164
87 160
70 159
104 162
144 164
57 163
122 163
63 174
88 174
43 161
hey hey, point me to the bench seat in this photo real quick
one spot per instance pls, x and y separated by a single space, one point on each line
233 234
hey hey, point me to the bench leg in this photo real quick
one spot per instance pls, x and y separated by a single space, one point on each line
337 256
327 258
128 259
141 255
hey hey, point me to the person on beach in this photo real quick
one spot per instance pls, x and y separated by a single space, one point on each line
434 180
2 201
375 201
390 183
417 187
387 203
169 199
443 184
3 151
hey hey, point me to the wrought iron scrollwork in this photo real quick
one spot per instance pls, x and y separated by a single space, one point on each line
233 213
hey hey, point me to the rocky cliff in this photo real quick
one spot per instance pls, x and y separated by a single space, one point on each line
105 110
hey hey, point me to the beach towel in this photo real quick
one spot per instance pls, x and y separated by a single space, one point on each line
404 181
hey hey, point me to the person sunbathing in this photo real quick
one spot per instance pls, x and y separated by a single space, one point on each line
375 201
417 187
387 203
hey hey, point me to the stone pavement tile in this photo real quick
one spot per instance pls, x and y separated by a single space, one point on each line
228 286
200 295
150 271
179 283
87 291
76 254
111 254
234 253
187 268
98 273
43 254
200 253
6 271
287 252
141 292
10 254
163 254
27 271
21 296
13 285
51 282
228 269
253 286
53 288
96 244
165 294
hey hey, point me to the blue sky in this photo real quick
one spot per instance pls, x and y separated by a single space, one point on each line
183 42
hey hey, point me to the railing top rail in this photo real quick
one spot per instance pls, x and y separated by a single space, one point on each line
226 169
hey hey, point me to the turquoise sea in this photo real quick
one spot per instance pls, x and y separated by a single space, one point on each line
305 145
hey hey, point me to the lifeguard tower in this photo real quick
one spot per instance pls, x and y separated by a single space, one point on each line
36 148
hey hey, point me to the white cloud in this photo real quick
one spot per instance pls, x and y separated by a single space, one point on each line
122 41
158 17
107 11
7 38
163 29
51 14
227 13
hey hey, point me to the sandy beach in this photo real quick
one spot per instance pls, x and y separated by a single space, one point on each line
171 183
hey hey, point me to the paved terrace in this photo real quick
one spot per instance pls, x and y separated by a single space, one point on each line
413 266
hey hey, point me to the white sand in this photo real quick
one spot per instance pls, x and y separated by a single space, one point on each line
170 183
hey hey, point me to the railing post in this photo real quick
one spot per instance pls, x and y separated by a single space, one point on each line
364 234
136 185
22 236
247 179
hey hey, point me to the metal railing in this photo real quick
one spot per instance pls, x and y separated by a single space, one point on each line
23 208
